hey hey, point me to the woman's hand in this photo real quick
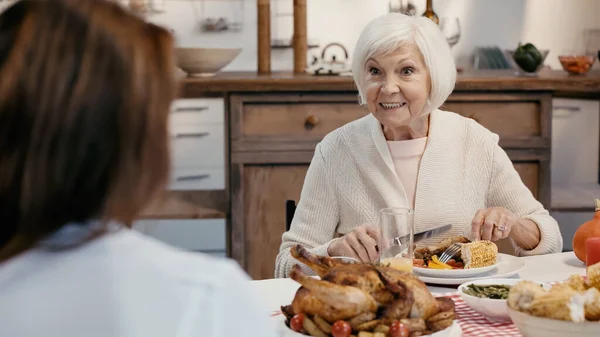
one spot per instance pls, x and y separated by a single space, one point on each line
493 224
361 243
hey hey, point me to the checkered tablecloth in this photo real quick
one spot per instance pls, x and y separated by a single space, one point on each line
474 324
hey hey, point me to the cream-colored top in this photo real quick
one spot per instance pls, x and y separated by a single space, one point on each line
406 156
463 169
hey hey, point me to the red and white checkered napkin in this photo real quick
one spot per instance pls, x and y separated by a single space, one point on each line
474 324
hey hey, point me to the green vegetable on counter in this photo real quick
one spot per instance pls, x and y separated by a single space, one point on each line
528 57
493 291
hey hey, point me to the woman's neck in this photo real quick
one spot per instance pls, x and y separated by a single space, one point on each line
418 128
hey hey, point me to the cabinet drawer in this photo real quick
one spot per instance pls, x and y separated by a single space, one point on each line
511 117
197 179
299 120
198 146
198 235
197 111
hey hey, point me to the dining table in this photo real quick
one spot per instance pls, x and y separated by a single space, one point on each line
549 268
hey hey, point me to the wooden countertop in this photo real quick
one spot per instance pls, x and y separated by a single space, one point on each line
557 81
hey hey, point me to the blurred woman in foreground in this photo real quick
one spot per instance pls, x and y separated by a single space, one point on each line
84 102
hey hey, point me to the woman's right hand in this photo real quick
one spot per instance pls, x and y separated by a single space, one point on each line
361 244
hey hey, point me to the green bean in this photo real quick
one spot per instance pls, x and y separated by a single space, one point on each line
493 291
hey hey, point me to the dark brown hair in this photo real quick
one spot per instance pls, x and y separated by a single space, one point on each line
85 91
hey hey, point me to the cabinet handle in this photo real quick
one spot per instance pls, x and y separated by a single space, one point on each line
567 108
311 121
191 109
192 135
196 177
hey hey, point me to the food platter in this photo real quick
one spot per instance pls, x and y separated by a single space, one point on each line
453 331
362 299
506 266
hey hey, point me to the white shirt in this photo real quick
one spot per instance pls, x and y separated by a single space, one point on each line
125 284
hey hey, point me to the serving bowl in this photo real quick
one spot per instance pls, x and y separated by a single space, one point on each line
492 309
577 64
511 59
533 326
204 62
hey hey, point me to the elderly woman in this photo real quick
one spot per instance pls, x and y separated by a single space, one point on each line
408 153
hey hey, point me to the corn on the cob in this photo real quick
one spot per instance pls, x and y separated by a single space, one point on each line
479 254
593 275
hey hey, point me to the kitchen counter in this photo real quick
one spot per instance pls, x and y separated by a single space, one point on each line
560 83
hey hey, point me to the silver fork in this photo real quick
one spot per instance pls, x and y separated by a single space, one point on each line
449 253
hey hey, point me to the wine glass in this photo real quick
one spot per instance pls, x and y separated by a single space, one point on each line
451 29
397 238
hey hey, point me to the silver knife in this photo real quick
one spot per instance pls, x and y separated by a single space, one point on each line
402 240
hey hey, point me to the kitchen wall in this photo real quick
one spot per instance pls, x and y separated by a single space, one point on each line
483 22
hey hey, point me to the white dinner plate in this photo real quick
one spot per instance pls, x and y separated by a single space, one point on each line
506 266
449 273
452 331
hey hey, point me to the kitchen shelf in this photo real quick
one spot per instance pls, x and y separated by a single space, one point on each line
574 198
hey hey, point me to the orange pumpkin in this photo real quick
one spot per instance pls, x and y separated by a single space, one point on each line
588 230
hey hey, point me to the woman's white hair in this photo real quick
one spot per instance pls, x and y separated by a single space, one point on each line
389 32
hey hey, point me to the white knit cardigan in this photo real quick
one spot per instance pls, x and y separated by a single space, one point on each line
463 169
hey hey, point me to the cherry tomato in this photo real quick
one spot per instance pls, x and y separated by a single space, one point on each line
341 329
398 329
297 322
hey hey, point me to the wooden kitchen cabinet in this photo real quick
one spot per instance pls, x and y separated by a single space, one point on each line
273 137
259 213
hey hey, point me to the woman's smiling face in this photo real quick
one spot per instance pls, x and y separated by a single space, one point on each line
397 86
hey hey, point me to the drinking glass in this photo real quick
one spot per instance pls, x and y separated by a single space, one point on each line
451 29
397 238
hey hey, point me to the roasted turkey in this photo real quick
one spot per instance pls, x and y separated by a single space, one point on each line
346 291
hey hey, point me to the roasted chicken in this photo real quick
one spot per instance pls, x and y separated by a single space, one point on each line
360 275
365 294
329 300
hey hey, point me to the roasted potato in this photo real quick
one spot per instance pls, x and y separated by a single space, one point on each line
382 328
312 329
360 319
440 325
368 326
322 324
441 316
414 324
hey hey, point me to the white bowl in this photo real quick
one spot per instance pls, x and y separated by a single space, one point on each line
204 62
532 326
492 309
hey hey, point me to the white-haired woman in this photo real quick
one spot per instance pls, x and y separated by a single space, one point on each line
408 153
